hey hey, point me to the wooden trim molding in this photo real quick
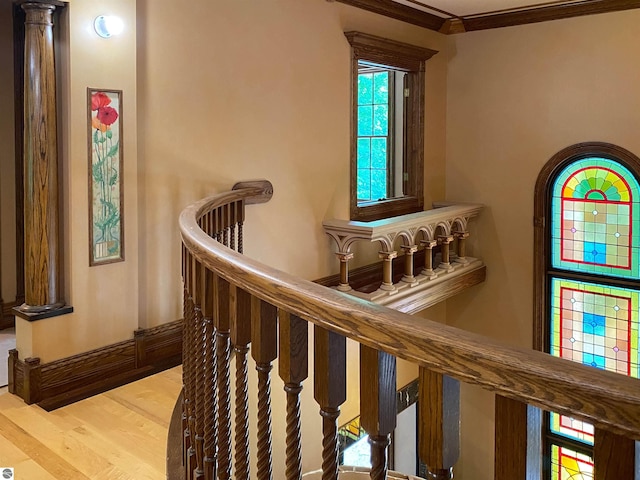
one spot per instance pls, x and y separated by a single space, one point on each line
55 384
483 21
401 12
7 319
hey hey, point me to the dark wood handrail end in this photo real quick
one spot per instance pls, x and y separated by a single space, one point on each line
265 194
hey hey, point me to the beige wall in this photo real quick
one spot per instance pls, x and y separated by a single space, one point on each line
516 96
7 158
104 298
236 90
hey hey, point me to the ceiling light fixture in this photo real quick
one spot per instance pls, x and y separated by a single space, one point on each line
108 25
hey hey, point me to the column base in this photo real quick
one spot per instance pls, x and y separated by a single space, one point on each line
32 313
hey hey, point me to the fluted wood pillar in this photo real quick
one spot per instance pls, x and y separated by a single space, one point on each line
42 260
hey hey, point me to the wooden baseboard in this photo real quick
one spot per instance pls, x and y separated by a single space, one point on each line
7 319
55 384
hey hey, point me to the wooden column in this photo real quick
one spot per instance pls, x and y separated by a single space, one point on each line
387 270
439 423
409 250
344 258
428 258
445 242
41 210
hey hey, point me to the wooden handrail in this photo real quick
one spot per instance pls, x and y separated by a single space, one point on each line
608 400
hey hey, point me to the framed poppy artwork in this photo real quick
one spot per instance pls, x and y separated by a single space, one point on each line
106 220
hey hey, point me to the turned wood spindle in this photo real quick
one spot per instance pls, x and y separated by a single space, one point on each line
241 337
293 368
330 391
223 355
409 250
428 258
344 258
264 350
387 270
199 353
240 215
445 242
210 408
378 405
439 423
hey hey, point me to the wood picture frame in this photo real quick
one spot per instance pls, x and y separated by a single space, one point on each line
106 186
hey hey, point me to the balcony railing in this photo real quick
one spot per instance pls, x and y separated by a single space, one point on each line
439 235
233 303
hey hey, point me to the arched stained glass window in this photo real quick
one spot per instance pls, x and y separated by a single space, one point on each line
588 227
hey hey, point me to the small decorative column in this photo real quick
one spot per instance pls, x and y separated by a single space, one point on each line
428 258
387 270
41 211
409 250
462 247
344 258
445 241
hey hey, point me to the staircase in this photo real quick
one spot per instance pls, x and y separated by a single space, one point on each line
236 308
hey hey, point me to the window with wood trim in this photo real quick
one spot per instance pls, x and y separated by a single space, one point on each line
587 217
387 132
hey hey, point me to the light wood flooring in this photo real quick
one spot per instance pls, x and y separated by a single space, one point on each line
117 435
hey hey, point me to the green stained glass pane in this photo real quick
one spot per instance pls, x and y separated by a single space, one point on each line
379 153
380 120
364 153
365 121
381 88
567 464
364 184
378 184
365 89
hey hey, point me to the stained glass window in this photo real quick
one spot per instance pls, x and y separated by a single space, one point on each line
567 464
595 230
374 140
595 219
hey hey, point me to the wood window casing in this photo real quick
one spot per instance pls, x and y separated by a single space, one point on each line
410 59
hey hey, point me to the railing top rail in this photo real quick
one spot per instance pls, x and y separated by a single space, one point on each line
606 399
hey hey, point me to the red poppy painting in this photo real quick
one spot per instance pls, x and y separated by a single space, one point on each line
106 230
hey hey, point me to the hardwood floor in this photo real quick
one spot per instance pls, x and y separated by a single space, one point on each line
117 435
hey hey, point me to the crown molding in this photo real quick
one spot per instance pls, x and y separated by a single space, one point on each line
392 9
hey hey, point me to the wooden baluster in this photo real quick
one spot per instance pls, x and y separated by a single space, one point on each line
445 242
387 270
614 456
240 224
185 359
218 222
232 222
293 368
223 354
190 461
330 391
199 395
409 250
378 405
428 258
241 337
209 376
225 224
264 350
344 258
439 423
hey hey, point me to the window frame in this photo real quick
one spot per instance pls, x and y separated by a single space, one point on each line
410 59
544 270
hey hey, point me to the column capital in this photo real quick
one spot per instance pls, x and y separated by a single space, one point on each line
428 243
461 235
445 239
409 248
344 256
387 255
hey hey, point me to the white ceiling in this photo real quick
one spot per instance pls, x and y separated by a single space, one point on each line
465 8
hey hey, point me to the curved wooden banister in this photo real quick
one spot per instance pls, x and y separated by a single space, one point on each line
606 399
